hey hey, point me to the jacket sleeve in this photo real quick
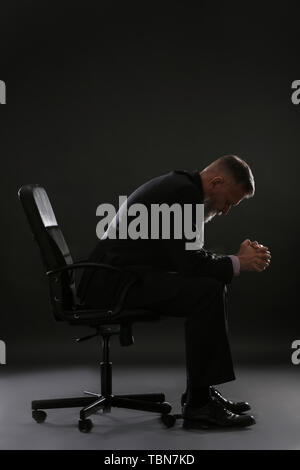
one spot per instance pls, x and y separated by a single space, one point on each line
200 262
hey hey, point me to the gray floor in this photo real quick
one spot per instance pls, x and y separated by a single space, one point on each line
273 392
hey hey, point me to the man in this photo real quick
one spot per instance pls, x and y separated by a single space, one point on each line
174 281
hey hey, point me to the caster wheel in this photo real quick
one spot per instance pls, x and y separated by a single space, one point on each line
39 415
85 425
106 410
168 420
166 407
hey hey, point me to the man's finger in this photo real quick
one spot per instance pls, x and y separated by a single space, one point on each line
266 264
264 256
261 266
262 248
259 269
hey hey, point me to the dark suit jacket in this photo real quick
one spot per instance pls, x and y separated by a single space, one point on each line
179 186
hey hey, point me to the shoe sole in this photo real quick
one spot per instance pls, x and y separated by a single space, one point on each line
240 412
193 424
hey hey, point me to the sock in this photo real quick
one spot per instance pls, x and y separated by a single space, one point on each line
197 397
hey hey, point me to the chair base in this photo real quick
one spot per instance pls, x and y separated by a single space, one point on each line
154 402
105 400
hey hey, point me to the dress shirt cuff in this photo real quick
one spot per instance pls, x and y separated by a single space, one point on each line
235 264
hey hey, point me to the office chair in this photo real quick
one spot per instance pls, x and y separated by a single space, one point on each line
60 271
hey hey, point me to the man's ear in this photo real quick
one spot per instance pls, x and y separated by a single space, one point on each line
216 180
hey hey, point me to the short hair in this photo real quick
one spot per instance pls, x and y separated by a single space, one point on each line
240 171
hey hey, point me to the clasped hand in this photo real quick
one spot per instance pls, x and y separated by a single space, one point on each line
253 256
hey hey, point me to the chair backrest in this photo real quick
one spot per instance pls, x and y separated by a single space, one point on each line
53 247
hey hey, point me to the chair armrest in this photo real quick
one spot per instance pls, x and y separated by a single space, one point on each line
81 265
119 303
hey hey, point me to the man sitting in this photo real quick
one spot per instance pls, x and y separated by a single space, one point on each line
177 282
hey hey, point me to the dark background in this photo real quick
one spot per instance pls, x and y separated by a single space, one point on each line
101 97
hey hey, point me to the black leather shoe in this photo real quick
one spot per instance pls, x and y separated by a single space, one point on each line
213 414
236 407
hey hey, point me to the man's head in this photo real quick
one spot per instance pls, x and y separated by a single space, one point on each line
226 182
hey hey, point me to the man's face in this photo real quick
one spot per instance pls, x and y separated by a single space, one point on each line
223 195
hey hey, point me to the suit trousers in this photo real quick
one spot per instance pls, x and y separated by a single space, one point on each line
202 301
